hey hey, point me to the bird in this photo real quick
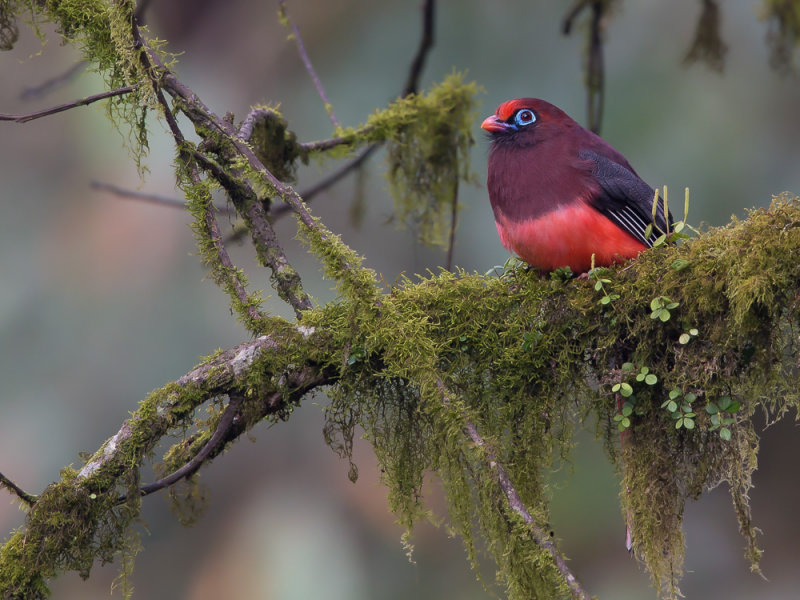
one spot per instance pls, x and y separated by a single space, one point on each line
561 194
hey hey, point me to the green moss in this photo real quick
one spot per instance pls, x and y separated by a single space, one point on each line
521 358
275 145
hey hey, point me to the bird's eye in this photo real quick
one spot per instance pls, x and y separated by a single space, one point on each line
524 117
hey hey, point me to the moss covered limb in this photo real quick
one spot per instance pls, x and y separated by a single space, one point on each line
523 360
80 519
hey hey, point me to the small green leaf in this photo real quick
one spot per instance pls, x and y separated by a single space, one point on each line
625 389
660 240
644 370
712 408
598 286
616 387
693 331
688 423
664 316
684 338
690 397
651 379
640 377
648 231
672 305
605 300
627 409
733 408
672 406
627 367
725 434
679 264
674 393
656 303
678 227
678 423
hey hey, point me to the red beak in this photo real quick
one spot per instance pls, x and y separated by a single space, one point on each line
493 124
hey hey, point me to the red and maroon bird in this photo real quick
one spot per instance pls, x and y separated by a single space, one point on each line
560 193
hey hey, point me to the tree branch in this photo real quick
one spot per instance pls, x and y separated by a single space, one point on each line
515 503
540 537
207 452
27 498
424 48
301 50
150 198
69 105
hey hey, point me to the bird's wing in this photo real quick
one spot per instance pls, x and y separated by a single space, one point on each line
625 198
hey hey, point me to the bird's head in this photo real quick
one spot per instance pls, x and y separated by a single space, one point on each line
526 121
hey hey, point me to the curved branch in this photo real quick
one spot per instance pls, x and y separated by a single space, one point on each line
205 453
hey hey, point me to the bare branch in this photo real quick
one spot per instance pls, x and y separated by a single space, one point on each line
206 452
411 86
425 45
301 50
572 14
69 105
453 223
595 69
309 193
27 498
150 198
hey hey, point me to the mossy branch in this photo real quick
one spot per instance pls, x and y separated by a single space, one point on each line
472 334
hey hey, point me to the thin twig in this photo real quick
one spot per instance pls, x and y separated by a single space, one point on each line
191 467
62 107
595 70
27 498
301 50
322 145
572 14
540 536
412 84
47 86
425 45
453 223
151 198
308 194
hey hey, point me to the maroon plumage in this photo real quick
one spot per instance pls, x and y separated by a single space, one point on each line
560 193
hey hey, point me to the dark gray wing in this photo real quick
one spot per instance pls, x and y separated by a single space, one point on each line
625 198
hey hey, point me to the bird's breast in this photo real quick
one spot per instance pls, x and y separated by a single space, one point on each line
568 235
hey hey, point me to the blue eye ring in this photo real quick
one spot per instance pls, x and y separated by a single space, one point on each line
524 117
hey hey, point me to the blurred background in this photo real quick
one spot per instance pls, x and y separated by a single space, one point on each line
102 300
